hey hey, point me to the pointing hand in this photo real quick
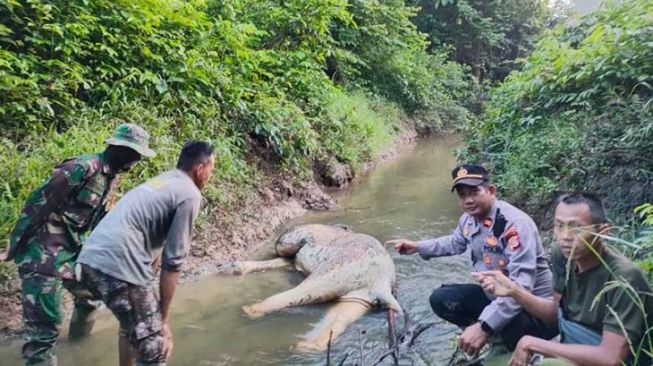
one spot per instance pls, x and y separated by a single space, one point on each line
404 246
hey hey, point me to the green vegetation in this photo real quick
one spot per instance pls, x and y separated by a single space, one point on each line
641 248
486 35
361 126
578 115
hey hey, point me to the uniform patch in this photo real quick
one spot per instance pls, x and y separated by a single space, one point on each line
511 232
156 183
514 243
487 222
502 263
487 259
492 241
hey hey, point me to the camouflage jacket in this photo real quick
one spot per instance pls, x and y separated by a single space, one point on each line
57 215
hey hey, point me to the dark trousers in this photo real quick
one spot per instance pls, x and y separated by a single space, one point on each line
462 304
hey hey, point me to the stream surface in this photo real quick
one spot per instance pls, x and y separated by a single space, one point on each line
408 197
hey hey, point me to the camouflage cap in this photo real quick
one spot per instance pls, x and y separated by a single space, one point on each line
132 136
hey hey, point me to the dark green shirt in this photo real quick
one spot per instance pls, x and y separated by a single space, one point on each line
580 290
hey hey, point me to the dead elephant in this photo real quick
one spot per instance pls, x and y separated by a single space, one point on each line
352 269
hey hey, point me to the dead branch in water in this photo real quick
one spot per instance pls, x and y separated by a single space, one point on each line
397 342
342 362
392 334
361 333
329 349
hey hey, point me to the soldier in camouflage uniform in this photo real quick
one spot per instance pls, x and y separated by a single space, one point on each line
49 234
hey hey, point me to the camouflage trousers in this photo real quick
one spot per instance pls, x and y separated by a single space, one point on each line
42 314
137 310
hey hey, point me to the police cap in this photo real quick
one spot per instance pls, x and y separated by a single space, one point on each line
469 175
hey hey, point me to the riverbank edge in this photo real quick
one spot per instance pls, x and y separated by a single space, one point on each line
229 236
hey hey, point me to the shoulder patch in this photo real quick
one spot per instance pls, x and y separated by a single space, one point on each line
511 232
155 183
514 243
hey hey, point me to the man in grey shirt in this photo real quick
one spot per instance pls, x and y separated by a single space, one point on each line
116 262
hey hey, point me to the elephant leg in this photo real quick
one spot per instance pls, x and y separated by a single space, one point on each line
244 267
306 292
334 323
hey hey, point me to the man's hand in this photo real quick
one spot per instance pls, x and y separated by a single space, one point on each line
523 354
495 282
156 263
167 340
473 339
404 246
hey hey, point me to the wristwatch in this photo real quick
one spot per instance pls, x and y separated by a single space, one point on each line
487 328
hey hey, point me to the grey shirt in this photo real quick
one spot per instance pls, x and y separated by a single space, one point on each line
157 215
514 248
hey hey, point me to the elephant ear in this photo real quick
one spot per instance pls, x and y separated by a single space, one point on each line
292 241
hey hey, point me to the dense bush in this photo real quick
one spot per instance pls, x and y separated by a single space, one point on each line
386 54
579 115
644 243
486 35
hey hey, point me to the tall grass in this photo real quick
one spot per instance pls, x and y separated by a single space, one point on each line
360 126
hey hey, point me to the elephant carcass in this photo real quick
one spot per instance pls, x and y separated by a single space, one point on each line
352 269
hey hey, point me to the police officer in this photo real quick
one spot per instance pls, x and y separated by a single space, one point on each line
49 233
500 237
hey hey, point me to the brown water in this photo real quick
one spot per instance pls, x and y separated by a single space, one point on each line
408 197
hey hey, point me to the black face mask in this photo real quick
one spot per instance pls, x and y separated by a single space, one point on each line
121 158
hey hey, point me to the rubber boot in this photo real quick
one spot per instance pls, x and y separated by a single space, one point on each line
83 319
